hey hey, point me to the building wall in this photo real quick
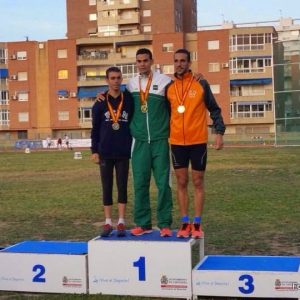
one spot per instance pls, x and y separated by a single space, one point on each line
70 104
166 16
78 23
14 65
221 56
161 56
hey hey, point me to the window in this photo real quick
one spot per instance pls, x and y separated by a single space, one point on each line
63 115
85 114
23 96
168 69
147 13
215 88
168 47
22 76
23 117
4 117
21 55
62 53
194 55
250 109
93 17
128 71
214 67
108 30
147 28
63 74
92 2
247 90
246 42
3 56
249 64
3 97
213 45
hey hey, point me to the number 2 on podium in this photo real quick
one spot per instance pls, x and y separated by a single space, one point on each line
141 264
40 270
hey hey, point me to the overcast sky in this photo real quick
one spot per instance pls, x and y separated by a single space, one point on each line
44 20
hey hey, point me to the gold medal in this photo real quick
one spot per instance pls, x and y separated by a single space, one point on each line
181 99
181 109
144 108
116 126
144 94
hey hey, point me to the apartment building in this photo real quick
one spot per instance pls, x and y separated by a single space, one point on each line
110 32
87 18
48 88
287 82
237 61
4 96
42 86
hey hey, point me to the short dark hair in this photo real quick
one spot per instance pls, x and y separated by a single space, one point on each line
112 69
184 51
144 51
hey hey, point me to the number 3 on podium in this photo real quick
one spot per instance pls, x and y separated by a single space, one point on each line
248 283
141 265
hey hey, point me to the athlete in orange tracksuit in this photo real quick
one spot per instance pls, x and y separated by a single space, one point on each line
189 101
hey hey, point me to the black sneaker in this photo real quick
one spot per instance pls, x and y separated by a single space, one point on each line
121 230
106 230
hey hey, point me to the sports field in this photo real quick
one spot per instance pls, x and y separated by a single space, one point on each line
252 201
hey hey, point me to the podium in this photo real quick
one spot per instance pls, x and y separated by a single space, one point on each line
147 265
44 266
248 276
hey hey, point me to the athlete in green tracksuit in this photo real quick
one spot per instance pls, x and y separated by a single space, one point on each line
150 129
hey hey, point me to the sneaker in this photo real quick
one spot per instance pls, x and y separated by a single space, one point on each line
197 231
140 230
106 230
121 230
184 231
165 232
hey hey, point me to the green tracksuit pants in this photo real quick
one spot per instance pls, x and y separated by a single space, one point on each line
147 157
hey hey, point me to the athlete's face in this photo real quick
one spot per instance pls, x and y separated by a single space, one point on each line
181 63
144 63
114 81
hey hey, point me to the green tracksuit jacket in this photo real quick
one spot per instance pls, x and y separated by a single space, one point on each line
150 151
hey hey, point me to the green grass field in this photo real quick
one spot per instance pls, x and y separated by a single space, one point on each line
252 201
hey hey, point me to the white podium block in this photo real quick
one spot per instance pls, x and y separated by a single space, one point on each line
248 276
148 265
44 266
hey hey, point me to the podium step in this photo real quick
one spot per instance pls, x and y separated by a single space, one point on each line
44 266
248 276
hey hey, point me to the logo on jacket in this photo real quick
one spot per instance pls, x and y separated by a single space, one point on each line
192 93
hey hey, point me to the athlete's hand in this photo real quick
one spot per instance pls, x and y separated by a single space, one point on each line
95 158
100 97
219 142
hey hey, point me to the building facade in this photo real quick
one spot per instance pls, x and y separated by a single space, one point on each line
48 88
287 82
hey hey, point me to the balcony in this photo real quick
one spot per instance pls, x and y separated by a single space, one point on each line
120 20
243 73
107 59
266 117
264 97
91 80
85 123
117 4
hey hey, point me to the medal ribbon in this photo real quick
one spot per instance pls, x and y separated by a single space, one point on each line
144 94
115 116
181 102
